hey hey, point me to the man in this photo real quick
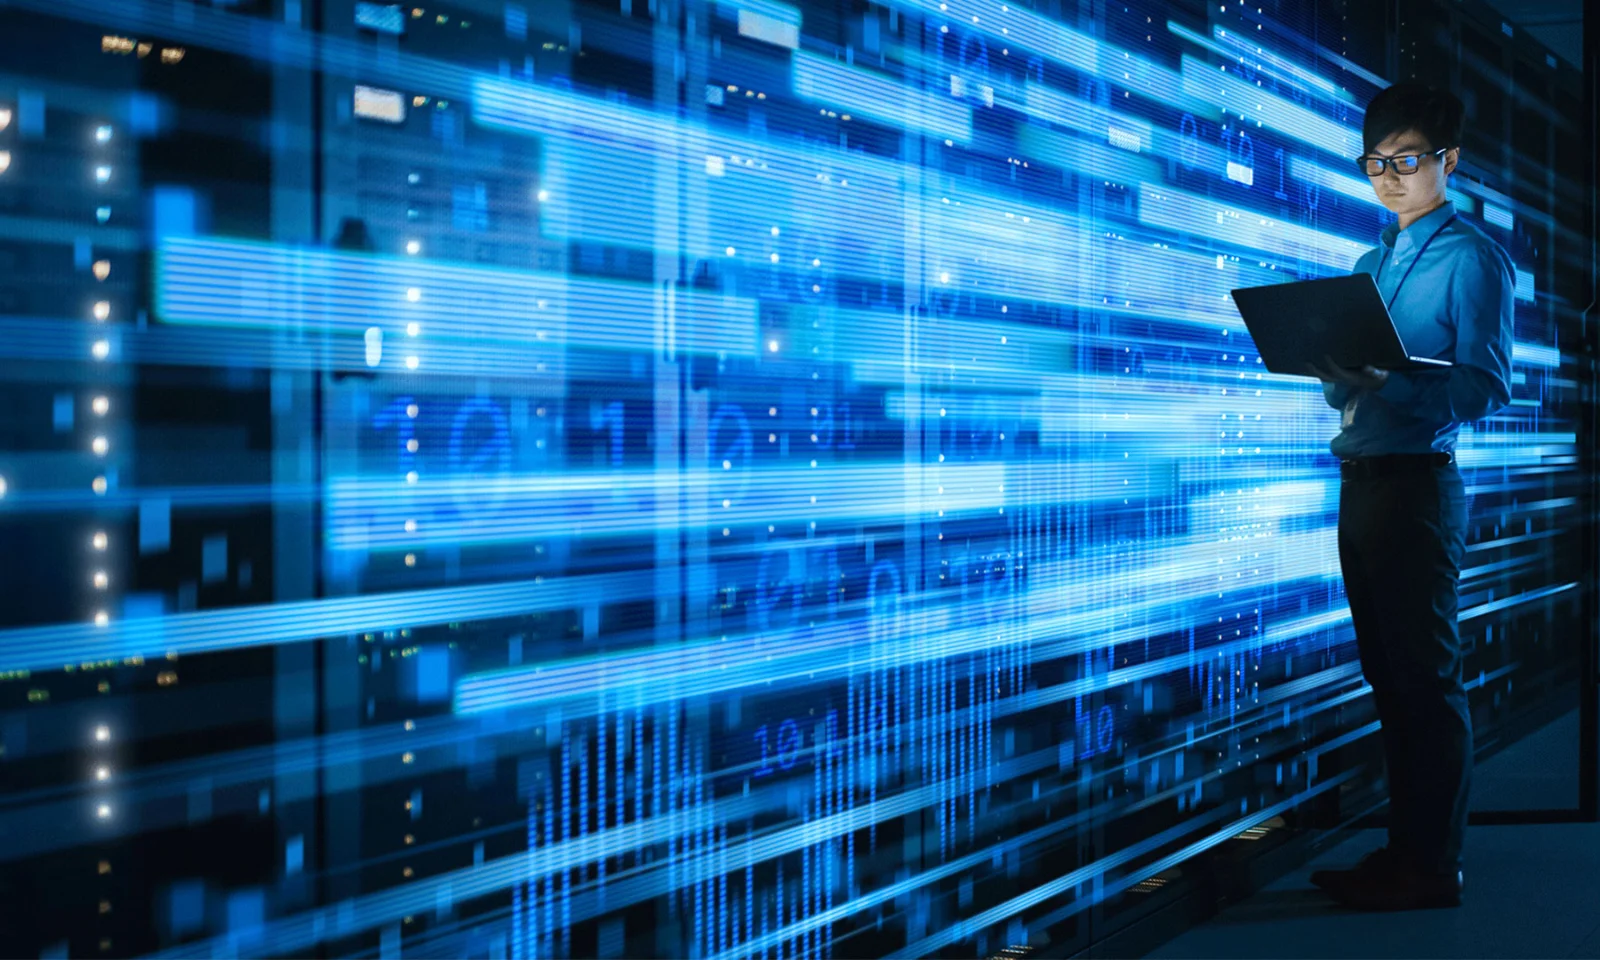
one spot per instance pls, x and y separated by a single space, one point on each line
1402 505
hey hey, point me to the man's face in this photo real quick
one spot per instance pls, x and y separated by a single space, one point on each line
1415 192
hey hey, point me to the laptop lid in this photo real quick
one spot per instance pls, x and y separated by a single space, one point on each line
1295 324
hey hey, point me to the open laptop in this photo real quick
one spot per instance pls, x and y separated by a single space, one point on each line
1294 324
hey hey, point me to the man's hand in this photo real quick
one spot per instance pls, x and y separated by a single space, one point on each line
1364 378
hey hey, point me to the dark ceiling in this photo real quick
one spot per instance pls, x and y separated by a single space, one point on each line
1558 24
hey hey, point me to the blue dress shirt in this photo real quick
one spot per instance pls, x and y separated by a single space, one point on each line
1456 304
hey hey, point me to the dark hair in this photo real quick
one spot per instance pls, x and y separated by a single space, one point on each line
1435 113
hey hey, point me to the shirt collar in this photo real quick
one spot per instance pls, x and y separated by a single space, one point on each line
1420 229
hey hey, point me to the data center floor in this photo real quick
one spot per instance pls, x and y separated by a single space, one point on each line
1532 891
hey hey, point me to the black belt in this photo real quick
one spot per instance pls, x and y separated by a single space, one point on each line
1395 463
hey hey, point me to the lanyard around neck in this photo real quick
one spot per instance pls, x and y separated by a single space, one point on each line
1407 275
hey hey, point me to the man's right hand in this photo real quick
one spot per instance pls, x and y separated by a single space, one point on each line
1365 378
1326 375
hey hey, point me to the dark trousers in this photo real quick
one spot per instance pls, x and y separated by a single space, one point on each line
1402 537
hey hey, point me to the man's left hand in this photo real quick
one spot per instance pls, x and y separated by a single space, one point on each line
1362 378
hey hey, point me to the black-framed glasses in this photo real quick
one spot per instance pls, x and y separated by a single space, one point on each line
1404 165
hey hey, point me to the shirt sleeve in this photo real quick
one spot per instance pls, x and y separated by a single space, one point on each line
1480 301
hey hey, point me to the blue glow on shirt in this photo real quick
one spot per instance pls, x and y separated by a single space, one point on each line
1451 301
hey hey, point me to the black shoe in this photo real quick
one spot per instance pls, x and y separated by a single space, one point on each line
1380 861
1403 888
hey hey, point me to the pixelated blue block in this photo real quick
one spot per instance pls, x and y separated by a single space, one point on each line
174 212
381 17
433 674
155 524
516 22
294 855
15 732
143 606
214 558
30 114
61 413
187 912
246 910
144 113
469 208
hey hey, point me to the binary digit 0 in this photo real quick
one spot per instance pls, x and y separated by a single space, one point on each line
974 59
1189 133
1105 729
1244 154
729 449
788 743
480 446
771 593
883 602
